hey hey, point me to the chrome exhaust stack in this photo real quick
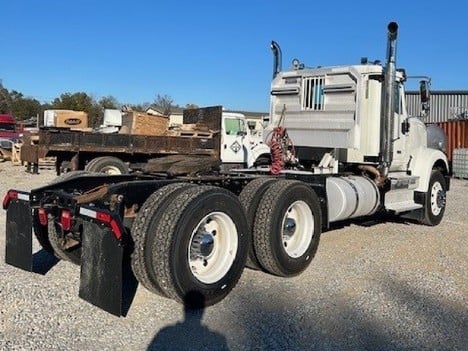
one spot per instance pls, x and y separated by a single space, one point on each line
388 110
276 57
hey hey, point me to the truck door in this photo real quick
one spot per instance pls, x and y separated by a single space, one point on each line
232 146
400 154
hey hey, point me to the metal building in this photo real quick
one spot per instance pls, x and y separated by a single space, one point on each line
445 105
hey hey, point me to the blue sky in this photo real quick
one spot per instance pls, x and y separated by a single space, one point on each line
216 52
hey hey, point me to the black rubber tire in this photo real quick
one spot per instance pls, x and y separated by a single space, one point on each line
439 199
171 238
250 197
89 165
262 160
72 254
151 211
100 164
268 227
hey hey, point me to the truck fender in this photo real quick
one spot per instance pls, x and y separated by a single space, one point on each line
255 152
423 161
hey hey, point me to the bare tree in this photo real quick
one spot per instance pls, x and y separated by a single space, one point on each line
165 102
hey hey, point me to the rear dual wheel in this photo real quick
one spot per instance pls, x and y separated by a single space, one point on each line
149 214
250 197
196 241
287 228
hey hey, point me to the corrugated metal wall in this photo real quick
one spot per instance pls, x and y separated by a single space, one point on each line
457 135
444 105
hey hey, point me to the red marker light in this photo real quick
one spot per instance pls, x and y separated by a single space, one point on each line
11 195
42 216
66 220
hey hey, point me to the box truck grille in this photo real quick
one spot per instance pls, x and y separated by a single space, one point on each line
312 93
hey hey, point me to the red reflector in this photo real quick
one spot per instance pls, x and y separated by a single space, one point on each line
42 216
103 217
8 197
65 220
107 218
116 229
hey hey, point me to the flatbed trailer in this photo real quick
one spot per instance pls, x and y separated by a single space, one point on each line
77 150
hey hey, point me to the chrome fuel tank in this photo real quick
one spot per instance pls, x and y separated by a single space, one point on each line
350 197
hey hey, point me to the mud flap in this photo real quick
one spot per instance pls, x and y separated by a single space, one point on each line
101 268
18 248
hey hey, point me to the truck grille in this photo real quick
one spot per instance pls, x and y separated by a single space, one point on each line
312 93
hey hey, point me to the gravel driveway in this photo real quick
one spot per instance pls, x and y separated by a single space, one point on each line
389 286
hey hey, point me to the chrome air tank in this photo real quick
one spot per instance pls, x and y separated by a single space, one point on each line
350 197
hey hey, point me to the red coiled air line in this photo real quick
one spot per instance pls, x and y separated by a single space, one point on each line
277 157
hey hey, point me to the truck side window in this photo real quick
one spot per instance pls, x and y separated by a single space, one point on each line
397 99
233 126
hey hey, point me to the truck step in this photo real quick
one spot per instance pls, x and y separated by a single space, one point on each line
398 182
399 207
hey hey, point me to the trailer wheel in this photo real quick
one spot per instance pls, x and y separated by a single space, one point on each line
65 248
250 198
435 199
200 244
107 164
150 212
287 228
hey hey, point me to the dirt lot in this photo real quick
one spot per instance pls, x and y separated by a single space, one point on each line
389 286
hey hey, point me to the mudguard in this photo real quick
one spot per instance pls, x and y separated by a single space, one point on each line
18 248
101 268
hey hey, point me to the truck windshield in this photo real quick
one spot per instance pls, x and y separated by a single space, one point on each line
7 127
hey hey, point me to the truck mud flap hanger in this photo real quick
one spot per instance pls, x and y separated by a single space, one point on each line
101 277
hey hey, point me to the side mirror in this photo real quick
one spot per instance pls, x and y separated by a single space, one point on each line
425 94
424 91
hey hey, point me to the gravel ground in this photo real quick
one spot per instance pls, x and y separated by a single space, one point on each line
390 286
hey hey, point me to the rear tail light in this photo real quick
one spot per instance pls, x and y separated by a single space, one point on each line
42 214
66 220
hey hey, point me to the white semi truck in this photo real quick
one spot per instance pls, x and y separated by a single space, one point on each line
342 146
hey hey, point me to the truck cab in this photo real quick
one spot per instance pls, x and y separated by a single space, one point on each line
238 146
8 127
353 118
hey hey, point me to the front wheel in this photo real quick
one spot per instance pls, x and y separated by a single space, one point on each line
436 195
200 244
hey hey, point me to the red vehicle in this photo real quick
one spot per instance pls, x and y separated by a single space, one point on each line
8 127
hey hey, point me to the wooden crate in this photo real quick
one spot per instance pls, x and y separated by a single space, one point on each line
71 119
140 123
